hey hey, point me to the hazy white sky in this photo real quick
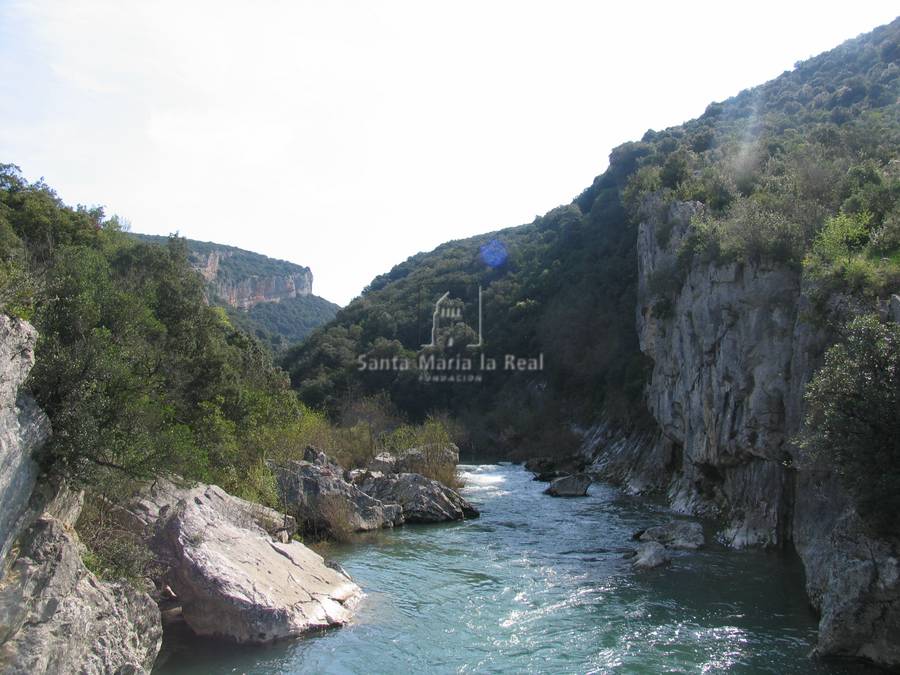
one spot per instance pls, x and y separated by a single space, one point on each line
347 136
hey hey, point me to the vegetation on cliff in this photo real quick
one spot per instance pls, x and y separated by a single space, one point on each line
778 170
139 375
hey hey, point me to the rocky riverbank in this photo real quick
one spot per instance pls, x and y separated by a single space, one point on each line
228 568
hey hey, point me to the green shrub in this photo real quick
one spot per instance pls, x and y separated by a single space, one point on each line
852 420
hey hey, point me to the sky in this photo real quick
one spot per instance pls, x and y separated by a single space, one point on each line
349 135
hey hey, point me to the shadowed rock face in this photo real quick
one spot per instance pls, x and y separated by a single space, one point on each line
233 579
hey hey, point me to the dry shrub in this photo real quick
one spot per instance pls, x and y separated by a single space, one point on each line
337 514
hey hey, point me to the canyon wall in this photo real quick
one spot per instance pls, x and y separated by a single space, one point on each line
246 290
732 351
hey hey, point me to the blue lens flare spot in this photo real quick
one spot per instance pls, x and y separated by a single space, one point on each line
494 253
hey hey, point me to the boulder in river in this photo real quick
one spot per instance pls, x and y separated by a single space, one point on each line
682 534
650 554
322 500
575 485
232 578
546 469
422 499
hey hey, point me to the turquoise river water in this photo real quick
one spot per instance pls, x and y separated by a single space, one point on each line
539 584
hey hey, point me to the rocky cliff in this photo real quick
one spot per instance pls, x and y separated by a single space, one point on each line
246 291
732 353
55 615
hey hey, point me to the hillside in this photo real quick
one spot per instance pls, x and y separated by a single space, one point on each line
769 165
271 299
718 319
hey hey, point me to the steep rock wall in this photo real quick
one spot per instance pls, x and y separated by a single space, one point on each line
245 292
23 429
732 353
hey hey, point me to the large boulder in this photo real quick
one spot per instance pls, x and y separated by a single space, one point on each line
546 469
320 498
57 617
423 500
681 534
232 578
575 485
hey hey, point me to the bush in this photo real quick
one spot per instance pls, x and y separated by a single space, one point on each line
852 421
843 236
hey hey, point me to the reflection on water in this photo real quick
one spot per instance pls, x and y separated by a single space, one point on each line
538 584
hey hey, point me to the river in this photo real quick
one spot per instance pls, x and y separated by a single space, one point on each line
539 584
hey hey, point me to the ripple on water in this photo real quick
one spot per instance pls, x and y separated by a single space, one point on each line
539 584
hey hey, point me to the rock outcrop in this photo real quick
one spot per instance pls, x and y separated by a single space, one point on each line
422 499
23 429
55 615
575 485
232 578
732 353
322 501
415 460
679 534
245 291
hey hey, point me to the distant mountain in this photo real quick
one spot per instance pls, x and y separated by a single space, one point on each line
269 298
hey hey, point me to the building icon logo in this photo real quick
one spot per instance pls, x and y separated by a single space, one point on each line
447 312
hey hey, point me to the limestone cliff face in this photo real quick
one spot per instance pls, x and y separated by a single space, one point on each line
245 291
23 428
732 355
55 615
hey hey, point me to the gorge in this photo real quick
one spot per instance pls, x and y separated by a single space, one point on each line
700 353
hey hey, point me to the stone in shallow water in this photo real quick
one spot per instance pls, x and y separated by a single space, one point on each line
649 555
681 534
570 486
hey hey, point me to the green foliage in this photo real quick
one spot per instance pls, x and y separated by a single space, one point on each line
275 324
138 375
842 238
769 167
280 324
852 422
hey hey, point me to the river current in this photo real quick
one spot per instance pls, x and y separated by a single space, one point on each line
539 584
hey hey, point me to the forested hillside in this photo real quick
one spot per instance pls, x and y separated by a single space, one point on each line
800 171
138 374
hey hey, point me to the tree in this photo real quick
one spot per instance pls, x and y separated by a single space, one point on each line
843 236
853 419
